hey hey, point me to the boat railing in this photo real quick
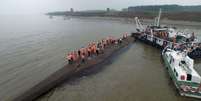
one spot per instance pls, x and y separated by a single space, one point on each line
170 43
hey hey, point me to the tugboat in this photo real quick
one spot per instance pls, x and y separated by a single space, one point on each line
182 73
155 34
162 36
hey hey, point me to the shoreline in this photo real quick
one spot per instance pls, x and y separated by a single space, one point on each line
145 21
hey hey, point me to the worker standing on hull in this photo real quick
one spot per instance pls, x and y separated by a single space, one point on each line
79 52
83 58
70 58
89 51
93 49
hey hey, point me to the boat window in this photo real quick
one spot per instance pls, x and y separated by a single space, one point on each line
171 61
181 39
183 62
189 77
176 74
174 70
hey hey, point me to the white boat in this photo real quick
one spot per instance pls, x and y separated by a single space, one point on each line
181 70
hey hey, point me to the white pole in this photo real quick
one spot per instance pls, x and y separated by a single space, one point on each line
159 17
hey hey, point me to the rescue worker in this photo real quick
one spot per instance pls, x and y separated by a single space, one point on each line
120 41
116 42
82 51
98 44
85 51
113 40
70 59
83 58
107 41
126 35
89 51
97 51
101 47
79 53
174 41
123 36
104 43
94 49
74 56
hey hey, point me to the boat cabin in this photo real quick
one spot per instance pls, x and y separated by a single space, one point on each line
182 66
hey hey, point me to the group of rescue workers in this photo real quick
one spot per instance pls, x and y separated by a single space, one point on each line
93 49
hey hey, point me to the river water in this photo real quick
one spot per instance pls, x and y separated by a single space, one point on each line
33 47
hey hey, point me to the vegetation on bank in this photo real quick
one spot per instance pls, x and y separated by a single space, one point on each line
171 12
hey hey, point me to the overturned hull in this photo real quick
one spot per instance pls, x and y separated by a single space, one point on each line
70 70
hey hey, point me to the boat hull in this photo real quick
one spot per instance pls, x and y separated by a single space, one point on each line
150 40
160 44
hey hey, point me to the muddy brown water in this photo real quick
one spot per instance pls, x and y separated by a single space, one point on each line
33 47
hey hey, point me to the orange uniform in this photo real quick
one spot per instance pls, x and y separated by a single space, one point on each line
89 51
94 48
75 56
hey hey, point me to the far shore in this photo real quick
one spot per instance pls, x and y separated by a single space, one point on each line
144 21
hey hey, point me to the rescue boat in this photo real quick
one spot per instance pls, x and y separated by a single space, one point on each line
162 36
181 70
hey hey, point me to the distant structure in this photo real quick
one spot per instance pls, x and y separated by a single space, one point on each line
166 8
124 9
108 10
51 17
71 10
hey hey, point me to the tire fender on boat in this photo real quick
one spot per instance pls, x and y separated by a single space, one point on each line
193 90
189 89
186 88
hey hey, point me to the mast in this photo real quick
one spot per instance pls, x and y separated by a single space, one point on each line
159 17
139 24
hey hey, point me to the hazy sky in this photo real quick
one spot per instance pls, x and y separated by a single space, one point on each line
43 6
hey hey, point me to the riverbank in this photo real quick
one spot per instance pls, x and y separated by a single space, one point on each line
144 21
